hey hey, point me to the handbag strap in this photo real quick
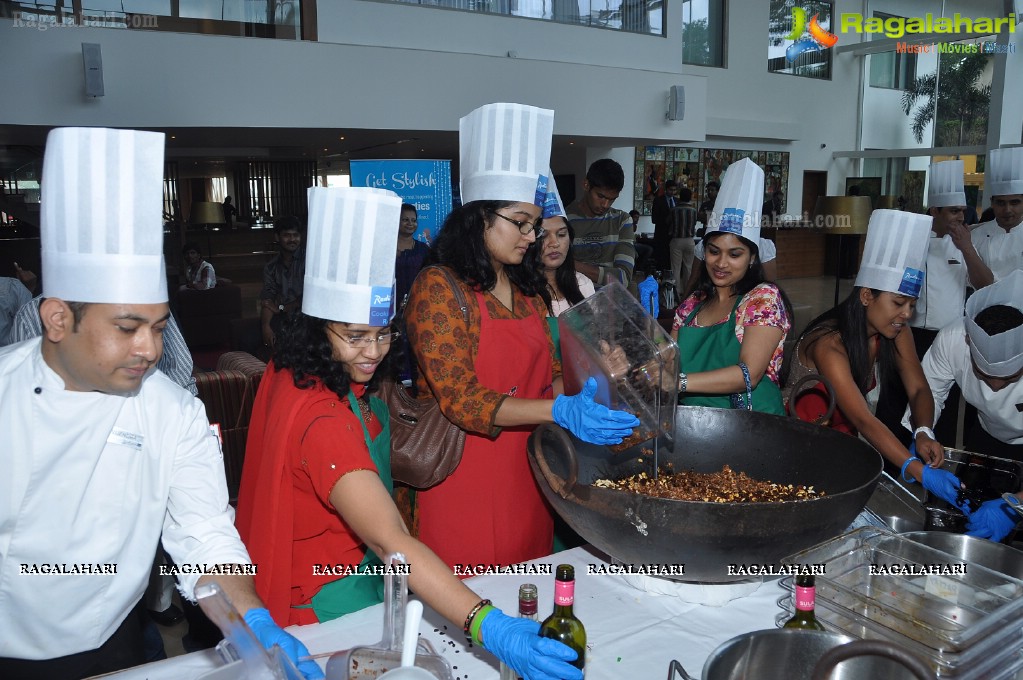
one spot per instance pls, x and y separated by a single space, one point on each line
455 288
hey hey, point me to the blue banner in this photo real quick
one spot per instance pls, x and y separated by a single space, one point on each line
424 184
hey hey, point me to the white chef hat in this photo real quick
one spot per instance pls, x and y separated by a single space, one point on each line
1004 172
552 205
895 253
504 153
999 355
349 261
102 216
738 204
945 186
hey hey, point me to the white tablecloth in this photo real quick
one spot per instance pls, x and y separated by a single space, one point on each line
630 633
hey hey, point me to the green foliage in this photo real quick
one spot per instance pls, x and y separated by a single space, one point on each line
961 103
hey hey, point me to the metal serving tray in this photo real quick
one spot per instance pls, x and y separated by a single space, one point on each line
998 655
946 612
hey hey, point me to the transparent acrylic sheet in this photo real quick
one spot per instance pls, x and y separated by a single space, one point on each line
240 648
370 661
611 338
947 612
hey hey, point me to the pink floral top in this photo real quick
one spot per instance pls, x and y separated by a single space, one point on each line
762 306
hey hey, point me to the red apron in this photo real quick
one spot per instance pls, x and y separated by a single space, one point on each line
490 511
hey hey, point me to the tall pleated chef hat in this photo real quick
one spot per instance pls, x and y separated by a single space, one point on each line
504 153
895 253
102 216
1004 172
349 261
552 205
945 186
738 204
999 355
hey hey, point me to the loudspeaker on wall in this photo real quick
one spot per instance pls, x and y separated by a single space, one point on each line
676 102
93 63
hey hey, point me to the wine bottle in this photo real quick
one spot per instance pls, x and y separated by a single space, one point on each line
562 625
806 592
527 610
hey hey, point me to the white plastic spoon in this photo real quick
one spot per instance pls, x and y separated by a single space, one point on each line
408 670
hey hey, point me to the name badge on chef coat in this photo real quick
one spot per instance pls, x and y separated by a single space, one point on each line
124 438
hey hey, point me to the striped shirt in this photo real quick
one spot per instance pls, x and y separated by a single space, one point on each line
607 241
175 362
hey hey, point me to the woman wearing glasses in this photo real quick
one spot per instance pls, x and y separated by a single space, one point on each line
315 508
496 376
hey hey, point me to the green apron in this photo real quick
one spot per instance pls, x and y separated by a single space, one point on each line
712 347
552 321
358 591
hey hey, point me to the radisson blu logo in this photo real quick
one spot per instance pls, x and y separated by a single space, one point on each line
816 38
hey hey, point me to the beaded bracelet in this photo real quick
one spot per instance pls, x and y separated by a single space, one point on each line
926 430
737 398
477 623
472 613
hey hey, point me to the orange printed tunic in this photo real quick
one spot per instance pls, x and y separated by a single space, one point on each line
490 510
446 349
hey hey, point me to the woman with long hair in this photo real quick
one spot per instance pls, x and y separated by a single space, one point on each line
731 330
866 340
496 376
316 487
565 285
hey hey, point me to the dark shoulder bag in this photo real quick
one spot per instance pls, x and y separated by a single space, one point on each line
426 447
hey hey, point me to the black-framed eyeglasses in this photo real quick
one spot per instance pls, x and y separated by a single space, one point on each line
364 341
525 227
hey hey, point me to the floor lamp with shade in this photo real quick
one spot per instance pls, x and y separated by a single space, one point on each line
842 216
208 215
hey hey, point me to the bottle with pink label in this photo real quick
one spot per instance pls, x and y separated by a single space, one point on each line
805 595
562 625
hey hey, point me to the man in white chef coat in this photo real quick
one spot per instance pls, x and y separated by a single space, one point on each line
983 354
952 261
103 455
1000 242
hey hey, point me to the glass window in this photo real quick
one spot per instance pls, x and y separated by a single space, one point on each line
632 16
260 18
892 70
961 99
703 32
895 70
800 38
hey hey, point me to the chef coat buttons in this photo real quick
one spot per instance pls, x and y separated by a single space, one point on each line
38 390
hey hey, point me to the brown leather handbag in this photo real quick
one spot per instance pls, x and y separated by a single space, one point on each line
426 447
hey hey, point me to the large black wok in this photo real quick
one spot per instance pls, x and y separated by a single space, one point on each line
707 537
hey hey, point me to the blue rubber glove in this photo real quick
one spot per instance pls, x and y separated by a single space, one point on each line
269 634
517 643
994 519
945 486
590 421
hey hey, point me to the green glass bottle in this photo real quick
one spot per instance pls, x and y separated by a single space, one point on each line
562 625
806 593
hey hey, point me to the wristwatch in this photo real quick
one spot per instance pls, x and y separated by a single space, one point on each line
683 382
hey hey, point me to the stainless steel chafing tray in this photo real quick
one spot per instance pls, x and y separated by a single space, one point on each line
879 575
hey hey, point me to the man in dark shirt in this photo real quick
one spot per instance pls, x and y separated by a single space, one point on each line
703 213
660 215
282 276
